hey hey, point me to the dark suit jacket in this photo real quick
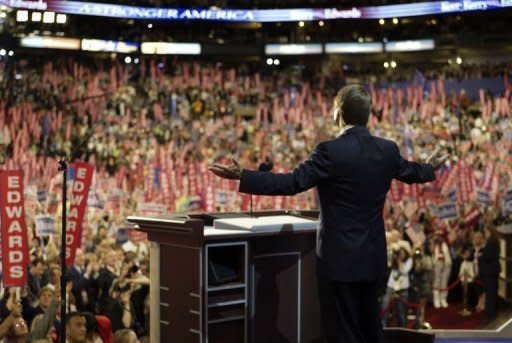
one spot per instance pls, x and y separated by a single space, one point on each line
353 173
80 283
489 260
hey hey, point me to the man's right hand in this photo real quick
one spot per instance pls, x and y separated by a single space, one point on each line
232 171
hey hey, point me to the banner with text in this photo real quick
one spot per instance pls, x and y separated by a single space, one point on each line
15 257
78 203
256 15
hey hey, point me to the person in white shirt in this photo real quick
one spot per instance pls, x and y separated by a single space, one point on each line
467 268
442 267
398 283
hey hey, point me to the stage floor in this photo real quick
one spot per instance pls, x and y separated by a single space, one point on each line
469 340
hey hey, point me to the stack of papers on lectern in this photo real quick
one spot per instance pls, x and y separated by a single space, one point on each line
266 224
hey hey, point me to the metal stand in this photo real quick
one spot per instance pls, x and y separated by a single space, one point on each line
63 167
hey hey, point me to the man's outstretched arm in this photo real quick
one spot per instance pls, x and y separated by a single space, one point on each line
305 176
414 172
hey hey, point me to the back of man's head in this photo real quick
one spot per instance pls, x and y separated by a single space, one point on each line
353 104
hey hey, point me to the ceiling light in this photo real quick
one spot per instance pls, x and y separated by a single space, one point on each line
301 24
150 26
62 18
458 60
277 62
382 21
49 17
395 21
11 53
2 52
270 61
386 64
127 60
21 16
36 16
321 23
393 64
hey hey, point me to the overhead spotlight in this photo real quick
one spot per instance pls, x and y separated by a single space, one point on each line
393 64
150 26
21 16
127 60
382 21
360 39
270 61
11 53
450 61
458 60
277 62
2 52
61 18
395 21
386 64
321 23
301 24
36 16
49 17
136 60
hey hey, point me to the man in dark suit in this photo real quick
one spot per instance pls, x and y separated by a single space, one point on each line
352 173
78 275
35 277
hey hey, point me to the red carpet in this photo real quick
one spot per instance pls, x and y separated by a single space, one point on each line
449 318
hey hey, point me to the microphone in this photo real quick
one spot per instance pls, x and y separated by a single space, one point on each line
263 167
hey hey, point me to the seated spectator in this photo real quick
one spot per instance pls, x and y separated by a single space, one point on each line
92 335
46 296
6 325
18 332
76 328
105 329
125 336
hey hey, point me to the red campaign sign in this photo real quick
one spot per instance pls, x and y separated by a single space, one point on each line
470 178
15 257
450 180
488 177
462 184
472 216
78 203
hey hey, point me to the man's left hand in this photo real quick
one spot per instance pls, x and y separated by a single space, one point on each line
436 159
232 171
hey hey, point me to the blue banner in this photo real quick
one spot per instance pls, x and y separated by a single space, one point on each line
447 211
262 15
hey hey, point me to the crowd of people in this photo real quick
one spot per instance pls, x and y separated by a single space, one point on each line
156 125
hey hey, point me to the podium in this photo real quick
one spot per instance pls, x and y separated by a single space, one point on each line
231 286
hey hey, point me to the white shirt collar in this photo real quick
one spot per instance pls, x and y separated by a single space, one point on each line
345 128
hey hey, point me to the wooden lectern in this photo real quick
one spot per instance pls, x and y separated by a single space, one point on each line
230 285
